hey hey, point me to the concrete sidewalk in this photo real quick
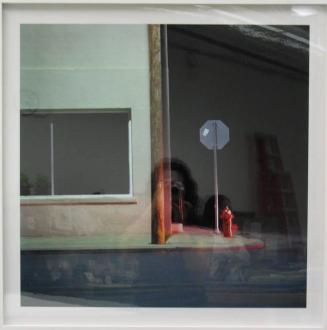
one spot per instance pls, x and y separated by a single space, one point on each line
192 237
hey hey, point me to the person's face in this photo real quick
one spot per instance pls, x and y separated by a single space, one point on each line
176 177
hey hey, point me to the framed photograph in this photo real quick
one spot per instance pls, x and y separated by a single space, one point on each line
163 165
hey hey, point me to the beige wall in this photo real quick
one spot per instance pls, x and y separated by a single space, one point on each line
90 67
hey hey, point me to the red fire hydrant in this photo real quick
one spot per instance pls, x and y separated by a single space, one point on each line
227 218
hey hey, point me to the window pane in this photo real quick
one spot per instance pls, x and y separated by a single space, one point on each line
35 155
90 152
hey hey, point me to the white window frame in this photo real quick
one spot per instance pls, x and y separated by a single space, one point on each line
87 198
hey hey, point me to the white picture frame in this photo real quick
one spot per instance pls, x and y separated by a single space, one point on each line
314 316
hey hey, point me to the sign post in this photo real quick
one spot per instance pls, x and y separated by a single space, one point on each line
214 135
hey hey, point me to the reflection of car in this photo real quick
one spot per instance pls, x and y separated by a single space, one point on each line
229 266
225 259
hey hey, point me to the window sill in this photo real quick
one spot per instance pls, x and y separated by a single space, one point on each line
77 200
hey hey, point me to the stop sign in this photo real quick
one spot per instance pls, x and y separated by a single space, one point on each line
214 134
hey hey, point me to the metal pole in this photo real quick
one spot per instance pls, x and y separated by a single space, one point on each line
215 157
52 159
166 96
166 126
130 158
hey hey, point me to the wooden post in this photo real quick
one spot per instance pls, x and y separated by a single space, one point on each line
160 222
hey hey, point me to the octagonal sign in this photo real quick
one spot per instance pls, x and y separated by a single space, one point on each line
214 134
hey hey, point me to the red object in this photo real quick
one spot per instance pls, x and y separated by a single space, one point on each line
227 218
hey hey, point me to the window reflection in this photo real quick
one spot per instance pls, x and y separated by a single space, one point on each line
148 235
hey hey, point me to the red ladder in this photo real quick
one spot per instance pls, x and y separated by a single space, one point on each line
276 192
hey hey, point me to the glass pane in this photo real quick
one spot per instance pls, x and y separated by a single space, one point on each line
218 216
35 155
90 153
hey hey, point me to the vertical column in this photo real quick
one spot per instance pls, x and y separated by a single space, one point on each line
157 147
166 128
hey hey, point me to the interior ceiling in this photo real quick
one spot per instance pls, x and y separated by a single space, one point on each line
283 48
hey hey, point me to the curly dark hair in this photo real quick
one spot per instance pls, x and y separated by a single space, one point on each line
190 186
208 216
